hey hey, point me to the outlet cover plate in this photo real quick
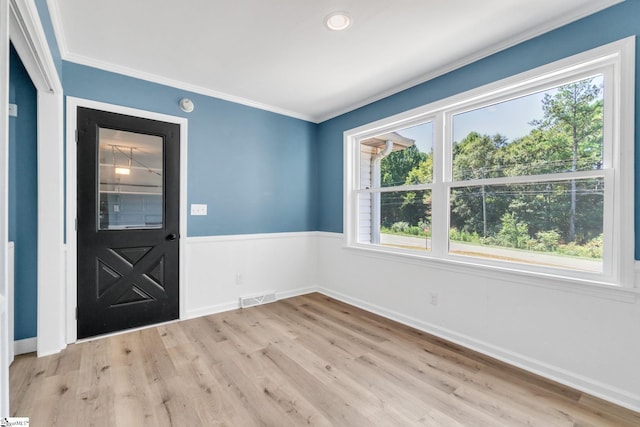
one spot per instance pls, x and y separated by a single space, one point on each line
197 209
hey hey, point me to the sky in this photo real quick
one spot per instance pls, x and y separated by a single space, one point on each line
421 134
510 118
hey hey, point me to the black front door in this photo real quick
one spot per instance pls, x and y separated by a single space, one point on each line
128 221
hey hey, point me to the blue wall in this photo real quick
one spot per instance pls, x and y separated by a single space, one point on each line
254 169
612 24
23 196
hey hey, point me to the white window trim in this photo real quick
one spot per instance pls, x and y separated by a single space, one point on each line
615 60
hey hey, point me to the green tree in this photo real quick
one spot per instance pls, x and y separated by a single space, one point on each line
475 156
542 206
573 120
473 209
395 168
423 173
416 205
513 232
394 171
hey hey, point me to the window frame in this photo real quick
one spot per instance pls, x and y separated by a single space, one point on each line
616 61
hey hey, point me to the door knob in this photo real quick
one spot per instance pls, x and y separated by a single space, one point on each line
172 236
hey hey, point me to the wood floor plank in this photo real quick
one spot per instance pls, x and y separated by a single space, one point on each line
211 401
509 412
248 397
93 371
406 399
56 395
276 387
26 373
308 360
135 399
332 401
320 367
441 398
613 413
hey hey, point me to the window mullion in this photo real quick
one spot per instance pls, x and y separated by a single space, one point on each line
440 197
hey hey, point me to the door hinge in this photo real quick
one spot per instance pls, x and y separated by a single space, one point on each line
76 136
76 313
76 224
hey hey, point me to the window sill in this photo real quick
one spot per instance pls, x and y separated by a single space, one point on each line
549 281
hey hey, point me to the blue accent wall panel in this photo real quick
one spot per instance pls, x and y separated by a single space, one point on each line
254 169
23 197
615 23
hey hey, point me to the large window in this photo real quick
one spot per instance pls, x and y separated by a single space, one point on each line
532 174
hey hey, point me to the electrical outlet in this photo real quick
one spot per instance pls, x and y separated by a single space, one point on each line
433 298
198 209
239 279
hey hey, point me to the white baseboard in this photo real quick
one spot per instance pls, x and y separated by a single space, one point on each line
296 292
213 309
562 376
27 345
234 305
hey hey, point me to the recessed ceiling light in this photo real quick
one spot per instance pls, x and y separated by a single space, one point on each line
338 21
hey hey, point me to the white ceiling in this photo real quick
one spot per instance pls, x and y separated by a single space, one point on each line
277 54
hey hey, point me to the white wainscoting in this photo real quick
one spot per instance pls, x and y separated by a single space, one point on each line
221 269
583 340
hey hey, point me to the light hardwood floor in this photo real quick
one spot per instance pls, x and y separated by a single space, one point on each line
309 360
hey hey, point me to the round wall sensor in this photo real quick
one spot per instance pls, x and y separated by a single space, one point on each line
186 105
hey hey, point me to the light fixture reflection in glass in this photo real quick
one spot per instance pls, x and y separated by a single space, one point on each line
338 21
123 171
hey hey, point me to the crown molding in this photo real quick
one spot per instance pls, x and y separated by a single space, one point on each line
154 78
66 55
56 23
30 41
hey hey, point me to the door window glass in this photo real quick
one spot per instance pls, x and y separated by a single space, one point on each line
130 180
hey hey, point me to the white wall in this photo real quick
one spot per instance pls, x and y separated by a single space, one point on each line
588 341
282 263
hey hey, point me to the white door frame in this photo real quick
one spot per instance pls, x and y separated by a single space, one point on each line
71 288
4 202
29 39
21 24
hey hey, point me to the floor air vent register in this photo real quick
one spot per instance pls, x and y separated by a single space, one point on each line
253 300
